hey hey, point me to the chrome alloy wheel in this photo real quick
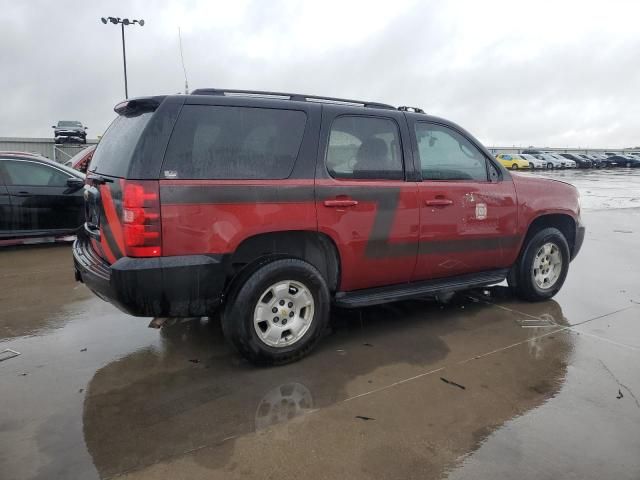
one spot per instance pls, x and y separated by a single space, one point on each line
547 266
283 314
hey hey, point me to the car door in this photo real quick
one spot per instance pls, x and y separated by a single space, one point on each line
6 214
468 213
41 200
364 201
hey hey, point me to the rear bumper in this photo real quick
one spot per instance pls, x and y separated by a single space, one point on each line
180 286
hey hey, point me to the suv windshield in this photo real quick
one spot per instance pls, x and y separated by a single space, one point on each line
115 150
69 124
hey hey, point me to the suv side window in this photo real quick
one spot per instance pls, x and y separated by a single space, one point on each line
33 174
216 142
447 155
363 147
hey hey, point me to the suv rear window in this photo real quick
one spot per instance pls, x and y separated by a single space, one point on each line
214 142
115 150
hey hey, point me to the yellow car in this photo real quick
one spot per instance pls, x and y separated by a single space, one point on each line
513 161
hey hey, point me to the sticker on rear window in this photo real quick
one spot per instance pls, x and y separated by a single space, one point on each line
171 174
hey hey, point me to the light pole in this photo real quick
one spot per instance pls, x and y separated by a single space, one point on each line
123 22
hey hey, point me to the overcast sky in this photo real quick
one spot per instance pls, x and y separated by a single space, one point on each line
544 73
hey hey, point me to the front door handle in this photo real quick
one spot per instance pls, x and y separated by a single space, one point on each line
340 203
439 202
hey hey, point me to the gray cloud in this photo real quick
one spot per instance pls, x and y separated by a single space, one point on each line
509 81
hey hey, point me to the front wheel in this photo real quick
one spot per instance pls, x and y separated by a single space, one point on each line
278 315
549 166
542 267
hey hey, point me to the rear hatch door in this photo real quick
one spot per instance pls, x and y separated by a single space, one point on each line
131 149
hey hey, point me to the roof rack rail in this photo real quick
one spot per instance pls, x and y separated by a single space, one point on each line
290 96
410 109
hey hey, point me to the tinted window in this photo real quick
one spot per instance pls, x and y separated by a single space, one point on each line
115 150
447 155
364 148
506 157
33 174
234 143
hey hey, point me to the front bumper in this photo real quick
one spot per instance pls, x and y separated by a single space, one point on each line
577 245
180 286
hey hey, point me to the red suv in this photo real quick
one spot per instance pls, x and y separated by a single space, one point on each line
276 206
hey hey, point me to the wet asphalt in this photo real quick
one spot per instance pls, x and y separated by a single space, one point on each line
484 387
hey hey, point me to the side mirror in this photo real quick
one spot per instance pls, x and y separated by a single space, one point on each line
86 128
74 184
53 126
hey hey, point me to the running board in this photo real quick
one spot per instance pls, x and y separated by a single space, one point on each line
405 291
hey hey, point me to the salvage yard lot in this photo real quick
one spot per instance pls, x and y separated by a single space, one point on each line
483 387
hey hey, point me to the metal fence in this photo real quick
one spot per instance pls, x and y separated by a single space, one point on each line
44 146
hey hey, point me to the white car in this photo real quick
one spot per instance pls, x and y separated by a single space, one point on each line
566 162
551 161
533 161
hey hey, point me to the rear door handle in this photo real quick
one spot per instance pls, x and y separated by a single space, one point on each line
340 203
439 202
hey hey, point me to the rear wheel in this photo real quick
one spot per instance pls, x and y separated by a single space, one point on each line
549 166
542 267
278 315
514 166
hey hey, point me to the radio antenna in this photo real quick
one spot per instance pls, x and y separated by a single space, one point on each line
184 69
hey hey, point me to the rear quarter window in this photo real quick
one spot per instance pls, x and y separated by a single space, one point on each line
115 150
222 142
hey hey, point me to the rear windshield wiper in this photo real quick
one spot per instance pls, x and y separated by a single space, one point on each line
99 179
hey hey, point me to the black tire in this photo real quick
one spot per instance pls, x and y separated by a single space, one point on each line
514 166
237 317
549 166
521 278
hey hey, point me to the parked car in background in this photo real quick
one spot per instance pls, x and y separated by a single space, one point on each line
259 220
533 161
580 162
629 161
513 161
607 160
550 161
39 197
69 131
595 161
80 161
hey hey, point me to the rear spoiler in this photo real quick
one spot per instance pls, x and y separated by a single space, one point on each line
135 106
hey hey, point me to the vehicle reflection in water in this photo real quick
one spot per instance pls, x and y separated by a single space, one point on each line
283 403
193 391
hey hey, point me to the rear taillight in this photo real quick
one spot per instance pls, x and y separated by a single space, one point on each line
141 218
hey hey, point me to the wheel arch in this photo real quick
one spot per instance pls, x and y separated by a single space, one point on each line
562 221
316 248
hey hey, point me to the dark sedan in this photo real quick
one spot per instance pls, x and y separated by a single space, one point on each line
580 162
625 161
38 198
